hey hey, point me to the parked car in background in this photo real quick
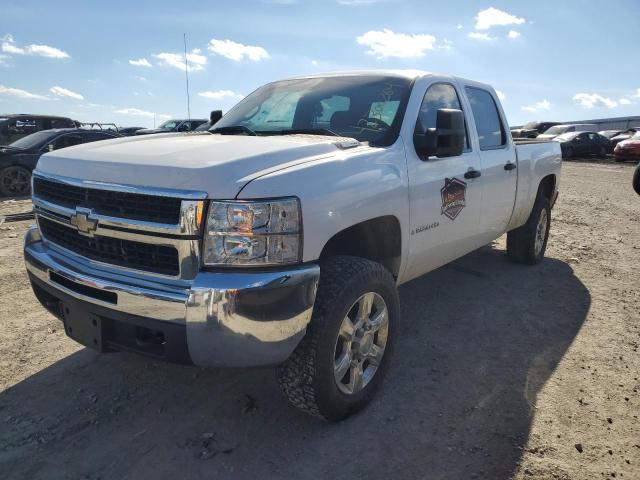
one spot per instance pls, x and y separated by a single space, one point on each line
174 126
578 144
18 160
556 130
13 127
627 134
628 149
214 116
636 179
532 129
610 133
128 131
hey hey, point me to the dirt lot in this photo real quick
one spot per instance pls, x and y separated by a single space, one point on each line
502 371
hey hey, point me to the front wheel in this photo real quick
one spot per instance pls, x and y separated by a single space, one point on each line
527 244
602 153
15 181
341 361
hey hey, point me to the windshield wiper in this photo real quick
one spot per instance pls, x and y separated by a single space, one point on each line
307 131
233 130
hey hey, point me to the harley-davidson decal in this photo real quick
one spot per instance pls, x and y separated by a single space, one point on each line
453 197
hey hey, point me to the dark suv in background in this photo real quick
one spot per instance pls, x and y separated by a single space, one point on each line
18 160
15 126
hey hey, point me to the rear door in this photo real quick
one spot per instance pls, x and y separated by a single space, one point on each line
498 157
444 205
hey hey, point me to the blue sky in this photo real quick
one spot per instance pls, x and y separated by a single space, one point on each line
121 61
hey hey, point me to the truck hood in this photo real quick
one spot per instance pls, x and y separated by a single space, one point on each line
217 164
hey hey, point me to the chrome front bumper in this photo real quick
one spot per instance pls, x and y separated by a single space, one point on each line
232 319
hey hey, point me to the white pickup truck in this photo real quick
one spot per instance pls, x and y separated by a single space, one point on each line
280 236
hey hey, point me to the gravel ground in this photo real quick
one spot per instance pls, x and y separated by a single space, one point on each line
502 371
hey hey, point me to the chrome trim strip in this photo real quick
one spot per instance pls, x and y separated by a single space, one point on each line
43 206
118 187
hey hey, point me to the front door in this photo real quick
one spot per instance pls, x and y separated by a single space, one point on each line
444 205
499 166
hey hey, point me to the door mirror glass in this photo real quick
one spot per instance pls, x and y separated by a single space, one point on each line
446 139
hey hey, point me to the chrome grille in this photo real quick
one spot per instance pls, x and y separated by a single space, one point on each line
134 206
152 231
115 251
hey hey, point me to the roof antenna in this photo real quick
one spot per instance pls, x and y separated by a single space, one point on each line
186 74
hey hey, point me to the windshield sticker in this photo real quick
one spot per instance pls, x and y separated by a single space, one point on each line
453 197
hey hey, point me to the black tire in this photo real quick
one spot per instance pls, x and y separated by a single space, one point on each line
602 153
307 377
568 153
15 181
636 179
521 242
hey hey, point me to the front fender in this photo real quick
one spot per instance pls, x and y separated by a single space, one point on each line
340 191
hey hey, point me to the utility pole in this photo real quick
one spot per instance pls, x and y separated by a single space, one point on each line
186 74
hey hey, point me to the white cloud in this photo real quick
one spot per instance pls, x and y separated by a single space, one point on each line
624 101
485 37
513 34
142 79
18 93
195 61
637 94
136 112
236 51
541 105
314 63
459 26
491 17
141 62
386 43
501 95
218 94
63 92
8 45
590 100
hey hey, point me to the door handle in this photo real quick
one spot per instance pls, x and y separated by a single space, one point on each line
472 174
510 166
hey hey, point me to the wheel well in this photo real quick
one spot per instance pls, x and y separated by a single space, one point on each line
547 186
378 239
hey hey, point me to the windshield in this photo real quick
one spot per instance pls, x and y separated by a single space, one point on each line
33 140
636 136
557 130
367 108
169 124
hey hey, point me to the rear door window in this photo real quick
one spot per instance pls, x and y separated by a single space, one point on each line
491 133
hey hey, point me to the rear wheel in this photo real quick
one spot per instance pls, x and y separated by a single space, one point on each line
340 363
528 243
15 181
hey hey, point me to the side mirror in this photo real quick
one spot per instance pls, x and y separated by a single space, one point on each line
446 140
215 116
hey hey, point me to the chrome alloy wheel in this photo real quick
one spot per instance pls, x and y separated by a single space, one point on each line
541 231
361 343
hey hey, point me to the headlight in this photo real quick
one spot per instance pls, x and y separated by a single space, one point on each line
261 232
